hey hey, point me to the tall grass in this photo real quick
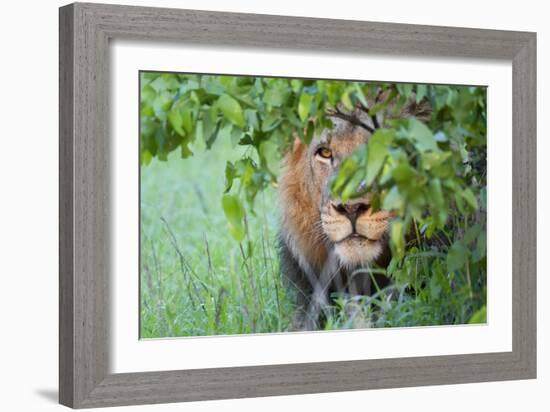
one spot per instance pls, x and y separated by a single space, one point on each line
195 279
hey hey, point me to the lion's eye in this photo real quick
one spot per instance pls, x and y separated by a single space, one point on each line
324 152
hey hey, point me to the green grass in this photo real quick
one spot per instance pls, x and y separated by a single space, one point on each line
197 280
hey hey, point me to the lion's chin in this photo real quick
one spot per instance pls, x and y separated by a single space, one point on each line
357 252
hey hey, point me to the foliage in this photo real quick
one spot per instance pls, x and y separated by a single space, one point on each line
431 175
262 114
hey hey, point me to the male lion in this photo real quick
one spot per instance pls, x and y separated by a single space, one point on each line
322 240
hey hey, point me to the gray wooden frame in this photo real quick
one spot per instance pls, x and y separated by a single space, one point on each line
85 31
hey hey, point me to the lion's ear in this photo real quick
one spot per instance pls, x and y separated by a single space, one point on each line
421 110
297 145
295 153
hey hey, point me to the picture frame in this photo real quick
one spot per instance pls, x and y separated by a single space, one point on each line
84 356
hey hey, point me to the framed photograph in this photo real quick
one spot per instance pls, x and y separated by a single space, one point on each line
256 205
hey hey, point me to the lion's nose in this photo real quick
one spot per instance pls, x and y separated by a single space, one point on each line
351 210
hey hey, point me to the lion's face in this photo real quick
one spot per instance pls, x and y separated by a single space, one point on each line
357 234
314 225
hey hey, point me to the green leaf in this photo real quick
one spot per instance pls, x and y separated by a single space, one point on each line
274 95
471 234
393 200
438 206
225 131
421 136
146 157
470 198
436 192
304 106
480 316
481 246
457 256
268 152
308 135
403 172
147 111
234 213
176 121
346 100
377 150
360 95
162 104
397 237
404 89
296 85
251 118
435 287
211 85
421 91
460 203
236 136
231 109
188 85
148 126
258 85
165 82
210 125
187 121
346 172
185 150
431 160
148 94
271 120
350 189
230 174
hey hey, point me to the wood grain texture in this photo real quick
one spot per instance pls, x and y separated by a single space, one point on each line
85 31
66 229
524 204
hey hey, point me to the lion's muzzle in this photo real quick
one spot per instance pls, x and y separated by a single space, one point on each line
355 230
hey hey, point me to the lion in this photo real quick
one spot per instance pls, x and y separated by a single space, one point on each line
323 241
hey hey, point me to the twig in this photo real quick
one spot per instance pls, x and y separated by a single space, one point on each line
373 117
183 261
200 196
336 112
186 268
209 259
219 303
468 277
